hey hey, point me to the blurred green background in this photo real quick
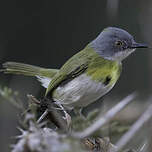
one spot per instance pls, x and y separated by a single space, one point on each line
46 33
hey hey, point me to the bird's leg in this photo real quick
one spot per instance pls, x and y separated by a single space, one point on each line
67 117
49 110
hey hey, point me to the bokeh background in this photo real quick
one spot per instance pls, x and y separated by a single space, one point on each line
46 33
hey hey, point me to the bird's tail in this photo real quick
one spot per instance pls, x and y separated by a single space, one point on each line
28 70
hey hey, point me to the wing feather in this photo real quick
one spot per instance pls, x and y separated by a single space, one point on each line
75 66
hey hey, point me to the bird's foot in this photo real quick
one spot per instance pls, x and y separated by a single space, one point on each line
66 116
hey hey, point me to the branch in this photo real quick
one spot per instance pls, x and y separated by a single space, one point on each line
135 128
104 119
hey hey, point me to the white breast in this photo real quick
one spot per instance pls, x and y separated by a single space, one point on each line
80 92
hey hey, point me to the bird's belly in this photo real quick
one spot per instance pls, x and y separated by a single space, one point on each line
80 92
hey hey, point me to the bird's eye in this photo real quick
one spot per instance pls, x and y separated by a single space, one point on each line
118 43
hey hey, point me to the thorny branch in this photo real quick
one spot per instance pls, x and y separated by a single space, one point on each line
39 137
146 116
104 119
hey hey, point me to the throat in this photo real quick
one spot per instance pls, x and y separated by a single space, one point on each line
119 56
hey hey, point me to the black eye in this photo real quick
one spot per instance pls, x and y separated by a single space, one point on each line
118 43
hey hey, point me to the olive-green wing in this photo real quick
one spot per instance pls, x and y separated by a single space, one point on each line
75 66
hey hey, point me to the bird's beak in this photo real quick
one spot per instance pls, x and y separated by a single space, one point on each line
139 45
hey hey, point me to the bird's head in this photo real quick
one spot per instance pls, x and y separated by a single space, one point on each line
115 44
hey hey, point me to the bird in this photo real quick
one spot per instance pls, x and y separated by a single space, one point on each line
86 76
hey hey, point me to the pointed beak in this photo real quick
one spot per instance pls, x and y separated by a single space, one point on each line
139 45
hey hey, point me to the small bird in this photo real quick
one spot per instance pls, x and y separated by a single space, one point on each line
86 76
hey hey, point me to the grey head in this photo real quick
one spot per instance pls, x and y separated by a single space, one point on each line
115 44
